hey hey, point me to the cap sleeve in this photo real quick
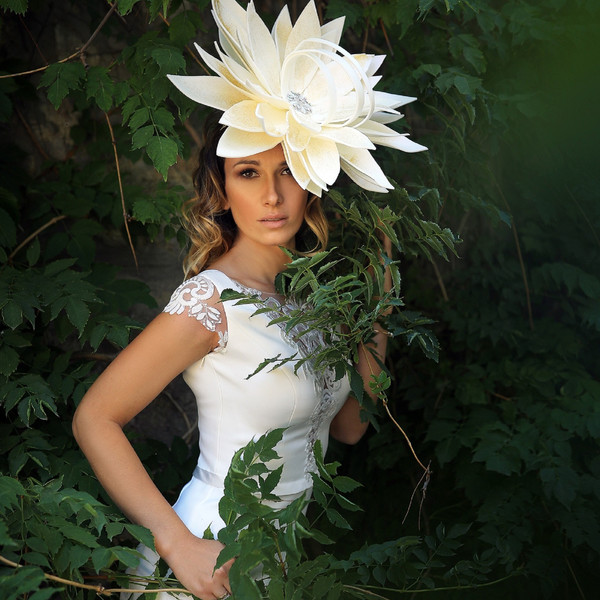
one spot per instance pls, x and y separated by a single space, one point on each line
199 298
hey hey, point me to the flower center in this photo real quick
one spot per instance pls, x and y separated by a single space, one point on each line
299 102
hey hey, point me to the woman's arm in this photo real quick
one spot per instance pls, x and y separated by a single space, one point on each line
164 349
347 426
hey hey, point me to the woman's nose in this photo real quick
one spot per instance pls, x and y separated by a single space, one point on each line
272 193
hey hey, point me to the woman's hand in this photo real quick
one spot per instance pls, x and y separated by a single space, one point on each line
193 562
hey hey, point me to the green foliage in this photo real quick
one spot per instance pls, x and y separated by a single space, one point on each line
260 535
507 409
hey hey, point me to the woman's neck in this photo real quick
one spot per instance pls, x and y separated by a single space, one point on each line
254 267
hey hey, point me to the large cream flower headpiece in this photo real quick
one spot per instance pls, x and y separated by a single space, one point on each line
296 86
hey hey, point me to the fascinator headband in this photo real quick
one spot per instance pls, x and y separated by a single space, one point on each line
296 86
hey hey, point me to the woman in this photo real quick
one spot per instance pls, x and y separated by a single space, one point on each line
215 343
286 135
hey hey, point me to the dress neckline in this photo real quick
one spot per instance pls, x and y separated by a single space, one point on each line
253 291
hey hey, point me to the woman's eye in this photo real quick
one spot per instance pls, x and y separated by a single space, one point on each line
248 173
286 171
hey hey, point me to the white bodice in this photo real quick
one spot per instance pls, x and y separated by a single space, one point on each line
232 408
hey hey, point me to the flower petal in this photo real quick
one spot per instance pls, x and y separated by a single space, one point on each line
332 31
314 176
230 18
296 165
384 101
361 167
273 121
264 52
298 136
323 156
235 143
211 90
348 136
242 116
307 26
281 32
400 142
386 136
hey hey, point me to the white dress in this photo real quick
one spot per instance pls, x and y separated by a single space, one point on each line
232 410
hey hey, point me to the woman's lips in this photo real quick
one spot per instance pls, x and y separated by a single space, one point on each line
274 221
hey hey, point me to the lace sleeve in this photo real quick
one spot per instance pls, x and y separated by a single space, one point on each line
198 298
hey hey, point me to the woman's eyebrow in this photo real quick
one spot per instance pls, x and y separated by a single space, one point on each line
247 162
244 161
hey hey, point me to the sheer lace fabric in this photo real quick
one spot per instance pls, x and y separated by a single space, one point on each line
197 297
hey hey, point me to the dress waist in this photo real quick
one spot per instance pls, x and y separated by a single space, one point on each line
209 478
217 481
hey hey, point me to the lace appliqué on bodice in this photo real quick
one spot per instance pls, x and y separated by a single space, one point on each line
192 296
308 344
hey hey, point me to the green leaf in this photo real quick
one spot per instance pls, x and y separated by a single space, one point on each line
60 79
33 252
100 87
102 558
247 589
184 27
125 6
8 230
78 534
163 153
345 484
9 360
141 534
129 106
138 118
11 491
142 136
169 60
78 313
12 314
17 6
336 518
5 539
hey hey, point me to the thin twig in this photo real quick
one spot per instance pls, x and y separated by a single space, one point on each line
39 230
71 56
113 6
99 589
387 39
365 39
449 588
423 476
125 216
572 572
193 134
363 591
40 69
24 25
440 281
387 409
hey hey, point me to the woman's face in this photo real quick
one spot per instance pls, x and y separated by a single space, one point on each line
266 202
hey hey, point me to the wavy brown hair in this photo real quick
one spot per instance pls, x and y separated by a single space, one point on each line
212 230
